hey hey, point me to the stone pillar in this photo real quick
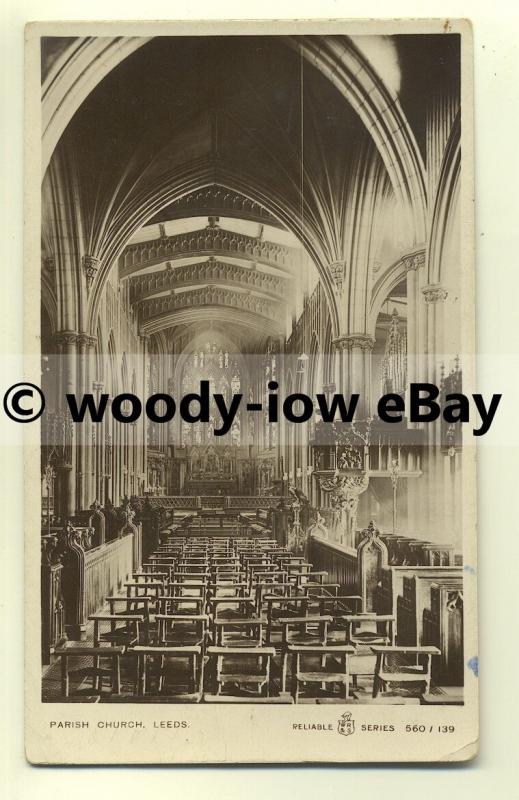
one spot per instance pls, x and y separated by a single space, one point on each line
97 439
434 297
84 432
437 525
354 373
145 387
413 265
67 341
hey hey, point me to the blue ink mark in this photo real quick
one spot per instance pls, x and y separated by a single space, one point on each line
473 664
469 569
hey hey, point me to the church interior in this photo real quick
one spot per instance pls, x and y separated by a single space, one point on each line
242 210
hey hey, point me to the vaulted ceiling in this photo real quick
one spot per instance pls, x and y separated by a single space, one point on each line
237 128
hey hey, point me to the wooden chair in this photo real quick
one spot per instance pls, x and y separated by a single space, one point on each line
132 632
303 630
148 588
190 577
96 671
191 589
332 667
144 606
339 605
267 589
392 666
307 578
281 608
150 577
246 632
182 630
146 656
223 589
231 607
181 604
243 667
368 629
324 589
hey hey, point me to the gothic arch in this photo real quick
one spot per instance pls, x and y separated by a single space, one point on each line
73 76
88 60
448 187
387 282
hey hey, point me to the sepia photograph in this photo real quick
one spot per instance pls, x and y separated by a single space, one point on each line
248 238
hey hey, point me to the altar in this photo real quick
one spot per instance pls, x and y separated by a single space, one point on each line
211 471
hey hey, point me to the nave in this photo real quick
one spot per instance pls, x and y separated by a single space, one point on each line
240 619
246 211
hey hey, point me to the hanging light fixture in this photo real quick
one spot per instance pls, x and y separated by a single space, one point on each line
302 361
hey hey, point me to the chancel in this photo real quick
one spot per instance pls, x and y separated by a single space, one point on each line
255 218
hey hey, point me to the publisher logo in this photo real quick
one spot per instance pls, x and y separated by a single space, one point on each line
346 724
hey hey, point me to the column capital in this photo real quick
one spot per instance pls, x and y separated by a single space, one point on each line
329 387
86 340
75 337
350 341
67 337
434 293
